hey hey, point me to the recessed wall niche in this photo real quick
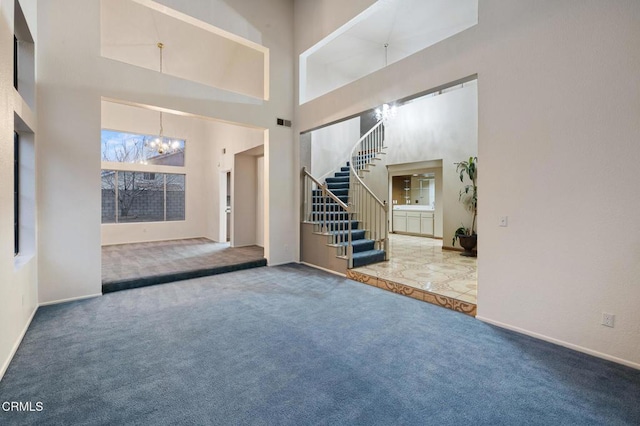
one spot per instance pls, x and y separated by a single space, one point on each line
24 58
131 31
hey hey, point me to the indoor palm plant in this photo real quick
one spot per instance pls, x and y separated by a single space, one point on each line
469 197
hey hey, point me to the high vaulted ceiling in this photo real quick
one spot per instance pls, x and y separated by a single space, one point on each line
192 49
358 47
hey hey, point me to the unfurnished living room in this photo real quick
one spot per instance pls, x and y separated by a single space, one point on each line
266 212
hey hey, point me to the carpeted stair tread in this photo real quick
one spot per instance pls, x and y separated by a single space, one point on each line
361 245
326 208
340 192
332 186
367 257
342 236
337 179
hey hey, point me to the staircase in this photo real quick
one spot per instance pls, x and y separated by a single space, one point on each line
344 210
338 222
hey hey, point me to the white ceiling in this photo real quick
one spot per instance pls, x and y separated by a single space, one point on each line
357 49
193 50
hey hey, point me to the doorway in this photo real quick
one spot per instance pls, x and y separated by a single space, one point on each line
227 209
225 206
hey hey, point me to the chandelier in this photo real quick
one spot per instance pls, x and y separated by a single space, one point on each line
386 111
161 144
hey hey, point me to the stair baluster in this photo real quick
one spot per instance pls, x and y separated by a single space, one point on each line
345 209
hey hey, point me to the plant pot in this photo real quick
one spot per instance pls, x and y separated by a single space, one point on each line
468 243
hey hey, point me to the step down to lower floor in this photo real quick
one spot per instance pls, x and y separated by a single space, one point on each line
128 284
367 257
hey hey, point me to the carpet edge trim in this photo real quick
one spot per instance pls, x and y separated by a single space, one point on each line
130 284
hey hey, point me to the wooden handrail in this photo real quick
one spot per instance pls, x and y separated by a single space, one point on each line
327 190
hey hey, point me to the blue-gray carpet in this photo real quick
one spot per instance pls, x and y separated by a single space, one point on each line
127 266
293 345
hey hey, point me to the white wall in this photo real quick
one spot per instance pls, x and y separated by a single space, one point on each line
205 140
233 140
557 104
331 146
260 201
194 131
18 280
244 187
442 127
73 78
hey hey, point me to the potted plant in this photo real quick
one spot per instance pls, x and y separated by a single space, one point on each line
469 197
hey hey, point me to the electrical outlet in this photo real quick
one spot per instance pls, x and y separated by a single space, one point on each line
503 221
607 319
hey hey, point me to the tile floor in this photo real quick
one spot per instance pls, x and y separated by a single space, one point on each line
421 263
129 261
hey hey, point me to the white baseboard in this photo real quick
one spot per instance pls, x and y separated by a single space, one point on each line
561 343
17 344
323 269
55 302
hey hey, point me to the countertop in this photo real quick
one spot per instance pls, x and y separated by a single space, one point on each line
413 208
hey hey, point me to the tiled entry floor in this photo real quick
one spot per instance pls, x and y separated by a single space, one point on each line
419 268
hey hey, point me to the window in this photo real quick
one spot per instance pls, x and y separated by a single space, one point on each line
122 147
133 193
24 70
133 196
16 193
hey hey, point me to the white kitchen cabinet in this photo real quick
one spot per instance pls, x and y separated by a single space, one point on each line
399 221
413 222
426 223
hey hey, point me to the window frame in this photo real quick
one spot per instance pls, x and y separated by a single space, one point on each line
16 193
116 189
133 164
15 62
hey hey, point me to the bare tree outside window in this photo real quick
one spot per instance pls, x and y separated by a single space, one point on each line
141 196
175 200
108 196
139 199
128 196
122 147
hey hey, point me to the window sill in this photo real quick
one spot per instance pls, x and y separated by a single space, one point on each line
21 260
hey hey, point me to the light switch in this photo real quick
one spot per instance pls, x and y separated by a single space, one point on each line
503 221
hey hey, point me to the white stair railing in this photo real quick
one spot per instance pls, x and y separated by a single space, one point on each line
365 206
331 217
